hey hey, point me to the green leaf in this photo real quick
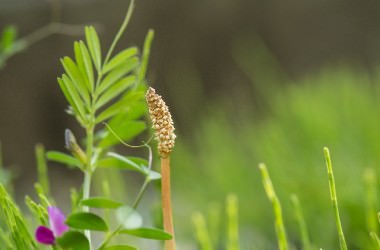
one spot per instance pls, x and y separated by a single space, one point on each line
86 220
116 74
73 108
93 44
101 202
115 90
122 105
153 175
128 163
127 131
148 233
74 240
78 104
120 58
76 77
120 247
63 158
88 64
8 37
80 59
145 57
128 217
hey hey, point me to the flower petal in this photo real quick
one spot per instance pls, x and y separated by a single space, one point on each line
44 235
57 221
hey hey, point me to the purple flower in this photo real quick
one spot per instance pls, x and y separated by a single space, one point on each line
58 227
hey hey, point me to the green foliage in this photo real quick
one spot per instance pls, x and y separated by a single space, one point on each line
85 220
74 240
337 107
148 233
9 44
101 202
15 232
97 90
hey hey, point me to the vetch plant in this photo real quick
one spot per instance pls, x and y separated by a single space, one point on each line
99 91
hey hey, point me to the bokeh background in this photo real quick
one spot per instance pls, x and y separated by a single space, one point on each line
247 81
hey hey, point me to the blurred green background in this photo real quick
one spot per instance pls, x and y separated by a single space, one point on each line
247 81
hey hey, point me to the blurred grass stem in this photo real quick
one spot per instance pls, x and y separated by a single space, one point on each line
233 223
201 232
370 182
43 177
334 200
301 223
279 223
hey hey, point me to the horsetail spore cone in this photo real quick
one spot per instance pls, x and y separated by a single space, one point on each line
164 132
162 122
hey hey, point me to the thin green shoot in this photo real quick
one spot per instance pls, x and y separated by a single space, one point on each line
279 223
370 181
334 200
43 177
375 239
301 222
120 31
214 222
233 222
201 231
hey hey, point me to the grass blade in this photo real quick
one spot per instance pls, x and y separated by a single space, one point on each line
375 239
43 177
233 223
279 223
201 232
334 200
371 199
301 223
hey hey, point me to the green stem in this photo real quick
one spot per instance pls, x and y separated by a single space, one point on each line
342 240
88 173
50 29
134 206
121 31
279 222
371 199
301 222
141 193
201 232
233 223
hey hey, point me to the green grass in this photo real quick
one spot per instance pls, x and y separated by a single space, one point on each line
338 107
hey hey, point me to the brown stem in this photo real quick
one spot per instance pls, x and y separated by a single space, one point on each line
166 202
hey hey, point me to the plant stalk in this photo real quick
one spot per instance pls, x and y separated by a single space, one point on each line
88 173
134 206
121 31
301 223
334 200
167 212
279 222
